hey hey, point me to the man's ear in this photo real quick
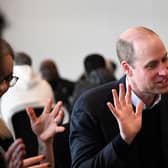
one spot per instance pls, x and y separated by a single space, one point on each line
126 68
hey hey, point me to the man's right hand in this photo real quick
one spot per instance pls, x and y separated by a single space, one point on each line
130 122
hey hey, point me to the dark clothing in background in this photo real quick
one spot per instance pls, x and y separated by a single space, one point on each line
95 78
95 141
63 90
4 145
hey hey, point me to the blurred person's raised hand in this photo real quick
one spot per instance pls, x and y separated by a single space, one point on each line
129 121
47 124
15 154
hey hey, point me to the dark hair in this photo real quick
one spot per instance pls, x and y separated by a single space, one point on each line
22 58
48 70
113 65
5 49
93 62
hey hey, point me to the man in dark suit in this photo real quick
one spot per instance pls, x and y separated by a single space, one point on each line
129 128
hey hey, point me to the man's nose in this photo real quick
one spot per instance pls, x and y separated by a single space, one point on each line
163 69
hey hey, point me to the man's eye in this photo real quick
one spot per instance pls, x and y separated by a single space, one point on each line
152 65
165 59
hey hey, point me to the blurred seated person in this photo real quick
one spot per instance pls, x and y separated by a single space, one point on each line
63 88
30 89
112 67
96 73
45 126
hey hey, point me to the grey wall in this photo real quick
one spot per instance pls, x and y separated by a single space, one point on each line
68 30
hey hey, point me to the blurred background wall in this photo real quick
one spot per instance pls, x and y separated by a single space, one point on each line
69 30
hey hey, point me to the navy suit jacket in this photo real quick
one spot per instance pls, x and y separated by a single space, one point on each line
94 131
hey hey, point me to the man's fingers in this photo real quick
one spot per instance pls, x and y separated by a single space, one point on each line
31 113
60 129
128 95
42 165
122 94
48 106
16 146
59 118
112 109
57 108
15 154
139 108
116 99
32 160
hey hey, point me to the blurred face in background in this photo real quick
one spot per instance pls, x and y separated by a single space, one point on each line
6 73
49 71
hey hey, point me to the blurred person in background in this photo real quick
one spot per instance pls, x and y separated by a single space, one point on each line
45 126
95 73
30 89
62 88
112 67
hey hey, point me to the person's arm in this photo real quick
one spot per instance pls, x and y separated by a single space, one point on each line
45 127
46 148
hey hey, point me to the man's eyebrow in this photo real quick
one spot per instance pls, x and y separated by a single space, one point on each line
155 61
